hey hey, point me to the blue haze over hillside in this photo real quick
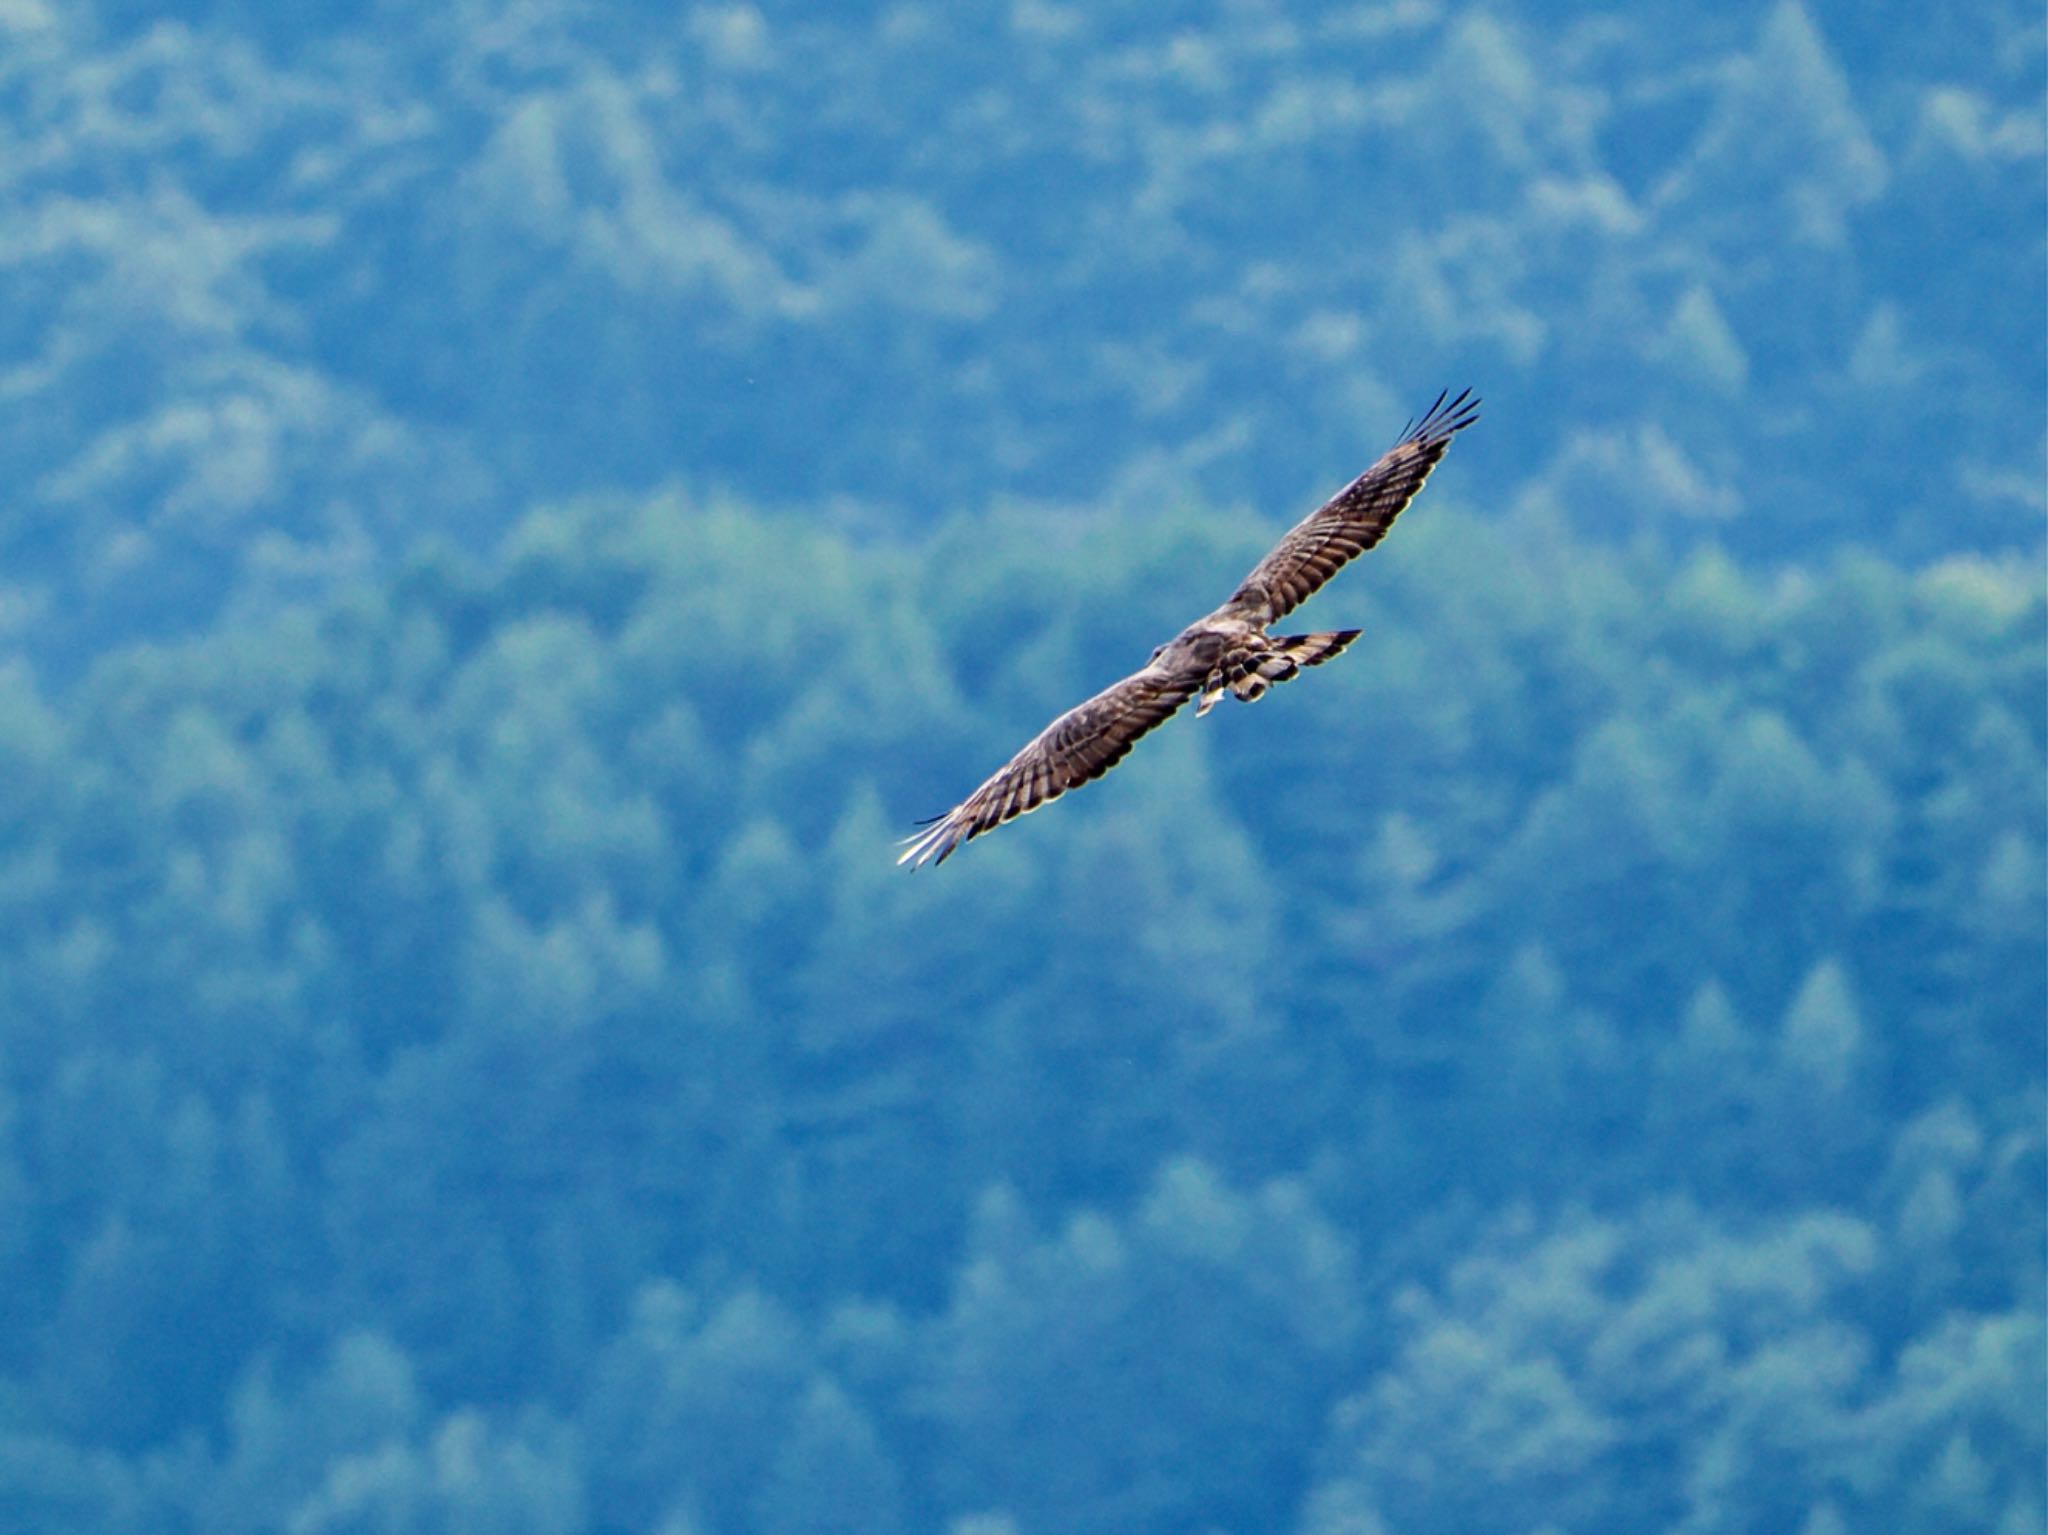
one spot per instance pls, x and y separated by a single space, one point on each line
285 289
511 508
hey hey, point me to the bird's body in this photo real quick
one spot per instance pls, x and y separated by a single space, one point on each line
1227 651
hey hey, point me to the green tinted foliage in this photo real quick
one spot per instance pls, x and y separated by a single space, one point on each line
469 1061
1660 1372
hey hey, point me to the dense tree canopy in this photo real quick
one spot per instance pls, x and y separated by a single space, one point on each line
470 1063
281 286
511 507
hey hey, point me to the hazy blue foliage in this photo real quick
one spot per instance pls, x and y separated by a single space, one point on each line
283 288
472 1065
513 508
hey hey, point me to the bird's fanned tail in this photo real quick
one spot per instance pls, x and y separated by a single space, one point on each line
1247 673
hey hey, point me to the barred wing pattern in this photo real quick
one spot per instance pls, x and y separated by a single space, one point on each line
1354 519
1227 650
1082 744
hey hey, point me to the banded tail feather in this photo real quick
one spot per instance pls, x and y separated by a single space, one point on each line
1246 673
1313 649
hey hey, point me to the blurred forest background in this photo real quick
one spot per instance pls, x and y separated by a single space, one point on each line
512 507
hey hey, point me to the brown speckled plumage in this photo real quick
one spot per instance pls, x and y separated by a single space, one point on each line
1229 650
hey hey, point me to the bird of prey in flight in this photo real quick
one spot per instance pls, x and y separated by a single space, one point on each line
1228 650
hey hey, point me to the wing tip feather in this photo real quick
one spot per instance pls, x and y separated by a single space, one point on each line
938 835
1446 416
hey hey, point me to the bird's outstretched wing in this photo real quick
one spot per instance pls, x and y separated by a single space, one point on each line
1354 519
1084 743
